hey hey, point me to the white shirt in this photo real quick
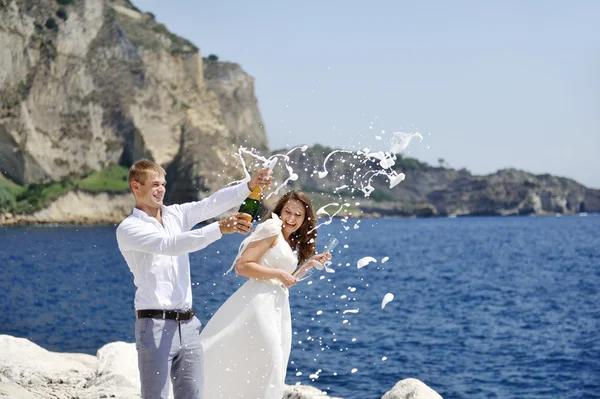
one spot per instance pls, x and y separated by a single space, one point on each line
157 255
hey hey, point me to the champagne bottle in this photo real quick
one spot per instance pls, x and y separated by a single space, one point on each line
251 204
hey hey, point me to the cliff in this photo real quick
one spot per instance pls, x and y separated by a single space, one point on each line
85 84
443 191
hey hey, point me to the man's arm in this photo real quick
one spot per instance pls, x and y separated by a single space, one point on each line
135 237
224 199
218 203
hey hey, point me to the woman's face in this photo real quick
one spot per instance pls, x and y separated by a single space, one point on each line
292 216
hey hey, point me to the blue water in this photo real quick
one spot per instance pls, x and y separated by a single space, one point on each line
484 307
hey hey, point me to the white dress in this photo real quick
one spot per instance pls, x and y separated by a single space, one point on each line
247 342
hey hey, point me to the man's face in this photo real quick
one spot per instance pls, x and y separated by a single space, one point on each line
152 192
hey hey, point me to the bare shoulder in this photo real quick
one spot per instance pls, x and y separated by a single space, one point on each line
275 239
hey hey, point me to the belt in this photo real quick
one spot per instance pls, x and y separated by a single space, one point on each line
165 314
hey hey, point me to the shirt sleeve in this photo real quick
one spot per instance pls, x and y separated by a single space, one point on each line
137 237
210 207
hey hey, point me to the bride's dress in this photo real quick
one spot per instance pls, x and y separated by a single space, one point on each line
247 342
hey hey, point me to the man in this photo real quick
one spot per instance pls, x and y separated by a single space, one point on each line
155 241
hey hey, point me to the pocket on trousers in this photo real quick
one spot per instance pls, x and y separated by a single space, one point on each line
144 336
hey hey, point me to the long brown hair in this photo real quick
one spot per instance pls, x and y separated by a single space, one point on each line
305 238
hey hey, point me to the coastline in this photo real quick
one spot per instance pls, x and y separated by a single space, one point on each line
29 220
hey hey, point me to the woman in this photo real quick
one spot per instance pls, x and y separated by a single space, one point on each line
247 342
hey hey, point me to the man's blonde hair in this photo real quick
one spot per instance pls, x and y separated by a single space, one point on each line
138 170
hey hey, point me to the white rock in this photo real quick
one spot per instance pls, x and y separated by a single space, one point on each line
28 371
117 366
411 388
26 363
304 392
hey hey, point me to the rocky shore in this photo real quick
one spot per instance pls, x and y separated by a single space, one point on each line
28 371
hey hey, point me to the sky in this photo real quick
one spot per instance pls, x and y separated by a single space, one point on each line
488 84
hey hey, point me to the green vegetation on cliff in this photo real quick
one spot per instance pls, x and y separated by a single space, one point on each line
33 197
148 33
112 179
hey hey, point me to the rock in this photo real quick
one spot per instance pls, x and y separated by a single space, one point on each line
10 390
426 210
110 85
28 371
26 366
304 392
235 92
117 366
81 207
411 388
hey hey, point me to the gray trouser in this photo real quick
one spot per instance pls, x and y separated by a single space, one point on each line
169 350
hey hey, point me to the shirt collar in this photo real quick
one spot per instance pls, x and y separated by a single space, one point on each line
138 213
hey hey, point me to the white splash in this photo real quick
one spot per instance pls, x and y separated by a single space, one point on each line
322 211
401 140
324 172
350 311
271 164
328 269
365 261
389 297
353 371
362 177
396 179
291 177
385 259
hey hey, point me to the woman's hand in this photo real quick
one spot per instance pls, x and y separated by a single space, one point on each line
287 279
318 260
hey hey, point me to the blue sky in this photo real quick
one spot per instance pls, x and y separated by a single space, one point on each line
489 84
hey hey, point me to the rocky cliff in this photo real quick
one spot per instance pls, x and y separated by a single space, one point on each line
89 83
433 191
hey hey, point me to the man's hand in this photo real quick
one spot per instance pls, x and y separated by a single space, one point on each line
236 223
262 178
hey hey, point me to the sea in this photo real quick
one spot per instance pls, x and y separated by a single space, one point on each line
483 307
